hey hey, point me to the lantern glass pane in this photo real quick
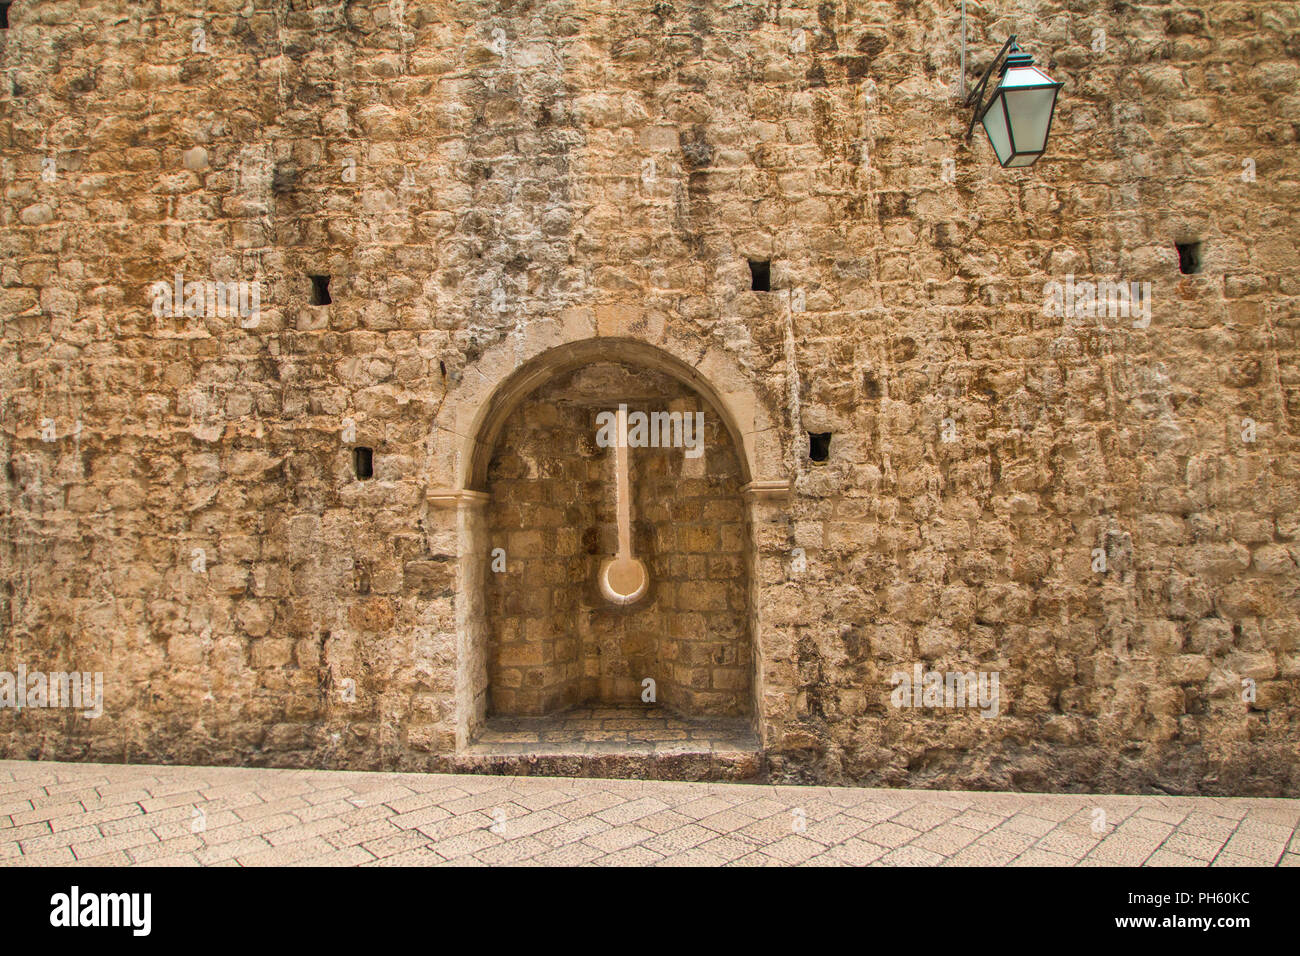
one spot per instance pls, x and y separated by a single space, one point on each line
1031 117
1025 76
995 124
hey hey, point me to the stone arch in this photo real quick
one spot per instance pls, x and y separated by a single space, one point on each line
473 413
555 363
475 408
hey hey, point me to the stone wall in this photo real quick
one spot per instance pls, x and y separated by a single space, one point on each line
558 641
1104 513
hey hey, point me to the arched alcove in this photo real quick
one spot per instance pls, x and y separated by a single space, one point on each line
554 640
482 425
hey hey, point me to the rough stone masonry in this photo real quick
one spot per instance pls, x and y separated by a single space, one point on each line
299 301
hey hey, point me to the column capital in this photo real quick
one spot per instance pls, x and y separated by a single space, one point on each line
775 492
454 497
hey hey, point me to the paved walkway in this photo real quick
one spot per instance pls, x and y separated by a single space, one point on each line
99 814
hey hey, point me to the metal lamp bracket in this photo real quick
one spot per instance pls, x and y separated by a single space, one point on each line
974 97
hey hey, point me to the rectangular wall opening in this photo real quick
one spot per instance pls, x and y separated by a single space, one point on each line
1189 257
760 275
363 463
320 290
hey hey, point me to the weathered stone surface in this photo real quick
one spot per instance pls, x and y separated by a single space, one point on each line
1105 513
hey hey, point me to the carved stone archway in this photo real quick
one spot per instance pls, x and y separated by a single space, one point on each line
473 413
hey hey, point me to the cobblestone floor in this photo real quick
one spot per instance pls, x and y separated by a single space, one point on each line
97 814
612 729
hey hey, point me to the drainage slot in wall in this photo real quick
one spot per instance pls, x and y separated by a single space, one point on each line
363 462
4 16
320 290
760 276
1189 257
819 445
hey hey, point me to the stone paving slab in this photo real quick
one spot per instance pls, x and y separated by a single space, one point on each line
613 730
58 814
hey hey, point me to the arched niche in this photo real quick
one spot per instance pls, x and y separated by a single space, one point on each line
470 422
